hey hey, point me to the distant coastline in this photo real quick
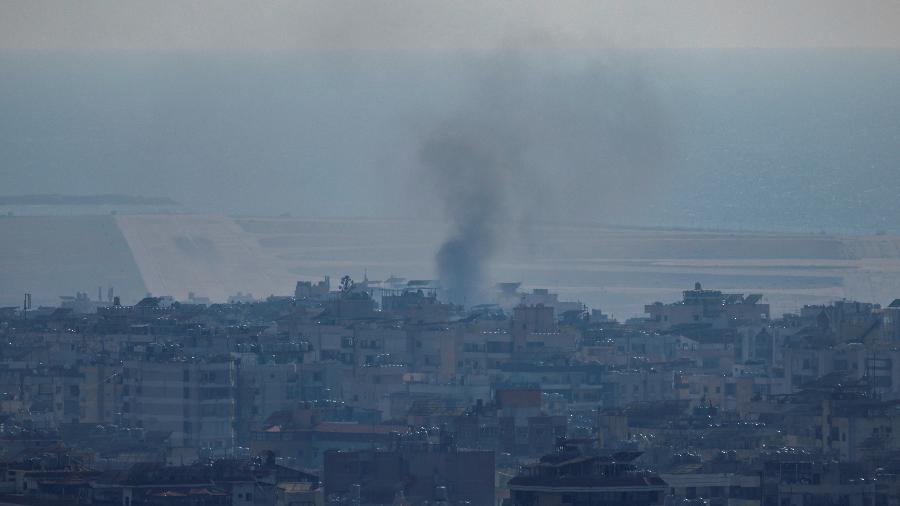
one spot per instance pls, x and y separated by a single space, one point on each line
56 199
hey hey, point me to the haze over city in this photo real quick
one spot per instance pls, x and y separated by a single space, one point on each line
433 252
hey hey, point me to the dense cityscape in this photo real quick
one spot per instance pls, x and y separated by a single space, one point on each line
379 392
449 253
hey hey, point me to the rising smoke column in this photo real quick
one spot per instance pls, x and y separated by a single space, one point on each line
470 171
537 141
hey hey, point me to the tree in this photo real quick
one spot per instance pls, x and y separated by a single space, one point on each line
346 284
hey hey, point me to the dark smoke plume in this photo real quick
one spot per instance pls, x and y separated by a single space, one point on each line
472 170
539 141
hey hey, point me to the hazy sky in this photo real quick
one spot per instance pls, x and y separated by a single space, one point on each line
414 25
318 108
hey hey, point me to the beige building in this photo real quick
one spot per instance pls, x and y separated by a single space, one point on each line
100 391
193 400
